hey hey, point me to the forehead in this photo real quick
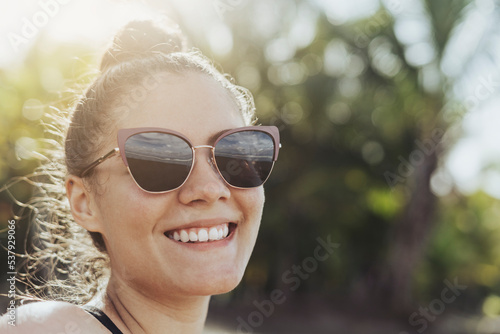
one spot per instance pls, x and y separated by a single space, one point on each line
193 104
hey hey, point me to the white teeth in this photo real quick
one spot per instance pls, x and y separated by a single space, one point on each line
184 236
215 233
193 236
203 235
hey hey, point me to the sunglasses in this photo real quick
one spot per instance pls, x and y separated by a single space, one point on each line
161 160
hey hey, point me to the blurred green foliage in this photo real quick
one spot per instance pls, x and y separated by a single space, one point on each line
348 105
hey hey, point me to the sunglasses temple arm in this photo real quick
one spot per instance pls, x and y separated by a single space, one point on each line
99 161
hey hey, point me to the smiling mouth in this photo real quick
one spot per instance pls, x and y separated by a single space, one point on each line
202 234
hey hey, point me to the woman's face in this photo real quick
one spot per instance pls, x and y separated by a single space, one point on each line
136 225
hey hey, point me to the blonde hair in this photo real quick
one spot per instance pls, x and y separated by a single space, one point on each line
73 262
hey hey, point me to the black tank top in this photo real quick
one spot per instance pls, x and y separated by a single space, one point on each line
103 319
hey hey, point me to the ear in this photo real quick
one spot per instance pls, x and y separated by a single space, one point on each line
82 205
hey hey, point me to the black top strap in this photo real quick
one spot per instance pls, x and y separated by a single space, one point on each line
103 318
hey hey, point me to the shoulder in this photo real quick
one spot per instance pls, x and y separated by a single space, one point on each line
49 317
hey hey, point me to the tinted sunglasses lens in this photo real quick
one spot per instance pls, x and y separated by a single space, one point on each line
158 161
245 159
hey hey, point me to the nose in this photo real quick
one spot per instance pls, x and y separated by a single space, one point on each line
204 184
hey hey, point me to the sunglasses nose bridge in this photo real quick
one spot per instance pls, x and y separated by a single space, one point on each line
203 146
211 158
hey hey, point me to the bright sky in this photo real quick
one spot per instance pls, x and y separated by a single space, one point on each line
93 21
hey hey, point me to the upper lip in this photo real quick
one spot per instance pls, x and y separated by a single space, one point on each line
204 223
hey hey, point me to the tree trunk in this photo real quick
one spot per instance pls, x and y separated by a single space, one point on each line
411 234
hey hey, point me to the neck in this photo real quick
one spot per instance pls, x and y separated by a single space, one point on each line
136 313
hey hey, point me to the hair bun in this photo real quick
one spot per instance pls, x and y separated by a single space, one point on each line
142 39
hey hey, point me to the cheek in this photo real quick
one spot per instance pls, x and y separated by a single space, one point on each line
255 201
119 196
126 214
251 204
129 220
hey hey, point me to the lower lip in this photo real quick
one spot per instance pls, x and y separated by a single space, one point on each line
209 244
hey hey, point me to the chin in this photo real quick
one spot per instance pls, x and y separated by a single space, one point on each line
215 284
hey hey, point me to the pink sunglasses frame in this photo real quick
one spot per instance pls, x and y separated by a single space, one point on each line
124 134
